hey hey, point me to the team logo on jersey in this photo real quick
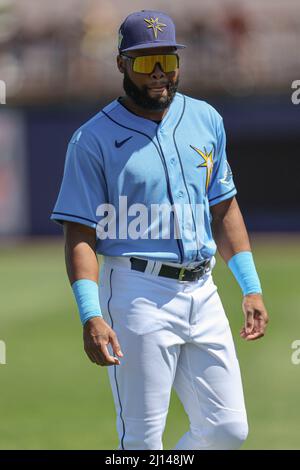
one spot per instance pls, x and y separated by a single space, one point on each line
122 142
208 163
155 25
227 175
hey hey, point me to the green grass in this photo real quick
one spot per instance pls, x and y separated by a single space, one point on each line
52 397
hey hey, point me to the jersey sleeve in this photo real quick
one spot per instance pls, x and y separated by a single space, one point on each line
222 185
83 187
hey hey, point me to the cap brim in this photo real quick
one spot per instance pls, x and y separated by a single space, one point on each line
153 45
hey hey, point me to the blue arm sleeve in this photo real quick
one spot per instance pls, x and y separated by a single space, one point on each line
243 268
87 298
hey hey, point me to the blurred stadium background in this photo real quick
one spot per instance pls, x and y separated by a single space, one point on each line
57 60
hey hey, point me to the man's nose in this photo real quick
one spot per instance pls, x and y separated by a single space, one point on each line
157 73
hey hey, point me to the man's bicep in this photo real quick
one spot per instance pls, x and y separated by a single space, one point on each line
71 227
75 231
218 211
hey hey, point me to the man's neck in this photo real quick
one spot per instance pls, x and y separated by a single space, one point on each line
144 113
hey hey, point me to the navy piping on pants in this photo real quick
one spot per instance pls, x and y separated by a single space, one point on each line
115 367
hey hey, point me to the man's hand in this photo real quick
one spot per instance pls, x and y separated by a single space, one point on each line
256 317
97 334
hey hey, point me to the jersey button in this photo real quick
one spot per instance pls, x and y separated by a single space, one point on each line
172 161
179 194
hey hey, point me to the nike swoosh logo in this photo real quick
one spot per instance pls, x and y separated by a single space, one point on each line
119 144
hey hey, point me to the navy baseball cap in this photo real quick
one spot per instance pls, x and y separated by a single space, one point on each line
147 29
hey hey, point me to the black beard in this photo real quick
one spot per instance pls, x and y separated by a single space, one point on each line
142 99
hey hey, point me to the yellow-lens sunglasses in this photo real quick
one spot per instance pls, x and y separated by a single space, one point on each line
146 63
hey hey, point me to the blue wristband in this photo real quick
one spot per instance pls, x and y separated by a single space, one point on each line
243 268
87 298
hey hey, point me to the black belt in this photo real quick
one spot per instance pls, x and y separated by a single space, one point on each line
182 274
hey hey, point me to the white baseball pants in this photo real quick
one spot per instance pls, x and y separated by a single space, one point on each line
172 333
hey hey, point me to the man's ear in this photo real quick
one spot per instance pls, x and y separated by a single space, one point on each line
121 64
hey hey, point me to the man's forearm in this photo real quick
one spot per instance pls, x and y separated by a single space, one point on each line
229 229
233 244
80 256
82 267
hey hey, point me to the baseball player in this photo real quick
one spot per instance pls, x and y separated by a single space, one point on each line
148 186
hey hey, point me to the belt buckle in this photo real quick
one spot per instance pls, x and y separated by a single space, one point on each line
184 270
201 268
181 274
197 268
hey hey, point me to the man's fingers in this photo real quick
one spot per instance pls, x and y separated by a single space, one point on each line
102 358
261 322
249 321
254 336
115 345
93 355
108 359
259 327
98 353
96 339
90 356
256 318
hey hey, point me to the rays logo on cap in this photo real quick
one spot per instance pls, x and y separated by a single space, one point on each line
155 25
120 39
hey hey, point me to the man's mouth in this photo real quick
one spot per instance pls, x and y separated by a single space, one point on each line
158 86
158 89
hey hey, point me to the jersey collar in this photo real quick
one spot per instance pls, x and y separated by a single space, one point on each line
125 118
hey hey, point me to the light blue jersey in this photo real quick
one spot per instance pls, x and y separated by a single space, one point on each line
145 187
